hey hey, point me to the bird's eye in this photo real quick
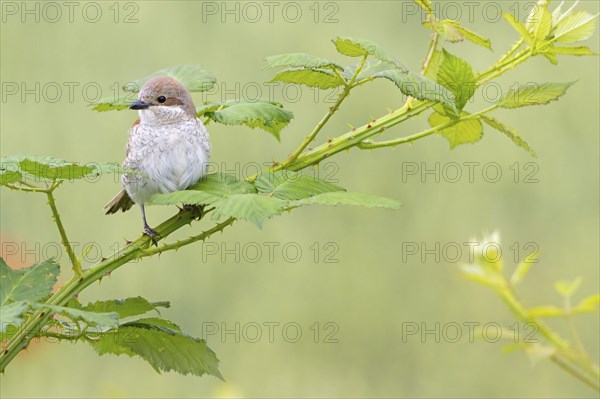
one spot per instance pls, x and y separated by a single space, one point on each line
162 99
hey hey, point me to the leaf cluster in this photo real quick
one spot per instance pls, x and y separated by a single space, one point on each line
489 271
268 195
111 326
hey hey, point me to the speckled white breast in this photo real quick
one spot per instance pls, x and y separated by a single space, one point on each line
171 156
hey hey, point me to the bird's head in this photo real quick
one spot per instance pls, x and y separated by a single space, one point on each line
162 100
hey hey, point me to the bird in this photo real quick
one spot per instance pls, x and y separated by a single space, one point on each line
168 145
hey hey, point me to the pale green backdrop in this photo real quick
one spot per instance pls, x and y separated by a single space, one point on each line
371 293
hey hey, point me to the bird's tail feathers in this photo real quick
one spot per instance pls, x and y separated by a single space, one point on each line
121 201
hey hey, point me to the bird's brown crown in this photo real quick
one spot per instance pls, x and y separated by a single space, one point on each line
167 91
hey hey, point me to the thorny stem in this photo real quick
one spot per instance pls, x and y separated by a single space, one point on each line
369 145
181 243
61 229
427 61
575 362
498 69
26 189
332 110
49 191
135 250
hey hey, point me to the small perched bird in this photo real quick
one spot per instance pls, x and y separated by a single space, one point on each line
167 144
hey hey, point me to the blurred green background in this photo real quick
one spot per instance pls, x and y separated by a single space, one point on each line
373 290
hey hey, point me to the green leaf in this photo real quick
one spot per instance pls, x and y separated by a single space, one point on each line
453 32
32 283
456 74
10 177
567 288
369 69
320 78
114 103
447 31
557 50
463 132
346 198
125 307
300 60
253 208
533 94
469 34
161 345
547 311
434 65
519 27
354 47
209 190
112 167
476 273
550 57
47 167
264 115
558 15
156 322
539 21
194 77
576 27
418 86
59 170
12 314
223 185
588 305
425 4
288 185
54 168
105 319
508 131
208 109
523 268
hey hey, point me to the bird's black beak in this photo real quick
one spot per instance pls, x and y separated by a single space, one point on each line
139 104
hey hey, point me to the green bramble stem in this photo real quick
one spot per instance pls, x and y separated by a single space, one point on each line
355 137
575 361
343 95
368 145
136 250
61 229
49 191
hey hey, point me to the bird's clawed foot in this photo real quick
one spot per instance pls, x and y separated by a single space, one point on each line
197 210
153 234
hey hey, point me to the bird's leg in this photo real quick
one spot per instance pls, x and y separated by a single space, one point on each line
149 231
197 210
